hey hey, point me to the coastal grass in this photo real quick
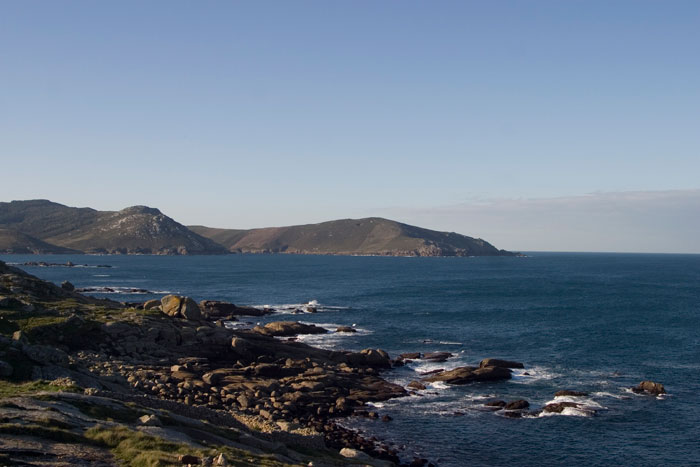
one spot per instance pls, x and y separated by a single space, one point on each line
136 449
121 414
13 389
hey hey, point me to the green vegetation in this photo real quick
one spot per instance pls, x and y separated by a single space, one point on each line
121 414
12 389
136 449
371 236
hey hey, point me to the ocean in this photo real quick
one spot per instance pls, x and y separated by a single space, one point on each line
598 323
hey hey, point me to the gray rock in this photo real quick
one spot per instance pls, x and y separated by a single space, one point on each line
500 363
288 328
46 355
190 310
517 405
155 303
6 369
467 374
149 420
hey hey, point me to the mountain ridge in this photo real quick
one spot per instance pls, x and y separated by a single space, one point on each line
369 236
43 226
133 230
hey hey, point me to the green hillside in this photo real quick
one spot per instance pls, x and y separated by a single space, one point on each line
371 236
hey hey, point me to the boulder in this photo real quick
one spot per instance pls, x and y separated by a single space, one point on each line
214 309
46 355
649 387
376 358
416 385
190 310
355 455
288 328
568 392
170 305
517 405
468 374
65 285
437 356
149 420
345 329
150 304
180 307
500 363
212 378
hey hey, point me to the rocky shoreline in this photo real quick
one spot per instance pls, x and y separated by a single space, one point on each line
175 357
178 355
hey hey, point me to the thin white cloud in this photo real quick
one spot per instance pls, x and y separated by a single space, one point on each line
637 221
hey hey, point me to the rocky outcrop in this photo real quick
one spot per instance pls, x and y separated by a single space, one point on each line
649 387
494 362
17 285
180 307
288 328
520 404
467 374
214 309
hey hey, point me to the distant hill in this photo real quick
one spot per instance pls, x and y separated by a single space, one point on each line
44 227
14 242
134 230
371 236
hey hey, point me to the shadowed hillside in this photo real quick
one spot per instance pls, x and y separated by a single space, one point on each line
14 242
134 230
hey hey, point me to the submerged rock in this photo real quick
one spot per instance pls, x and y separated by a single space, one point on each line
558 407
496 404
568 392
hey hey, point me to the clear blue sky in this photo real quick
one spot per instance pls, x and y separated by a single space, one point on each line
246 114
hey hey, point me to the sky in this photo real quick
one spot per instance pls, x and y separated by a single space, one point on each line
542 125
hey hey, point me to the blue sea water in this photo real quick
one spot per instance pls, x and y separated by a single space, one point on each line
599 323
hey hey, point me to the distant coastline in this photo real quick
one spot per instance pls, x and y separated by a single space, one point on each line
44 227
